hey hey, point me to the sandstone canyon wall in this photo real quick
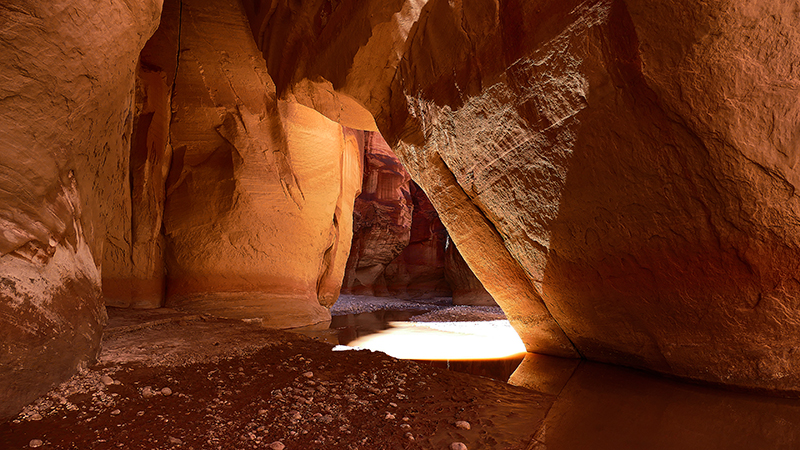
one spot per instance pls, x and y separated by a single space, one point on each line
620 175
418 271
66 87
382 219
259 199
134 273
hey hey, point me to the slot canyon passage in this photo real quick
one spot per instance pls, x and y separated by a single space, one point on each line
183 180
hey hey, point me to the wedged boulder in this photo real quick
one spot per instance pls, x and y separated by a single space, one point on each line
260 192
67 90
634 162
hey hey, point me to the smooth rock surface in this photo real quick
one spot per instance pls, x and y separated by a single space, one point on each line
66 87
260 192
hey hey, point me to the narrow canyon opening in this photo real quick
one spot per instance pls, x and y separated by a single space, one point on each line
600 192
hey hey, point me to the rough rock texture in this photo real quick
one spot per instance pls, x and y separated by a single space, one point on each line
636 163
260 192
66 81
467 288
619 175
419 269
381 220
133 271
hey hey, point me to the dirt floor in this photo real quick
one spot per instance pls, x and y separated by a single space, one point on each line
170 381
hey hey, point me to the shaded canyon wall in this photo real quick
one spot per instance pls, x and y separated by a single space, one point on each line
67 76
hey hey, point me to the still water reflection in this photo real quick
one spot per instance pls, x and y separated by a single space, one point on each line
601 407
590 406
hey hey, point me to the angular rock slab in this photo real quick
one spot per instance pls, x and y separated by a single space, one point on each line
635 160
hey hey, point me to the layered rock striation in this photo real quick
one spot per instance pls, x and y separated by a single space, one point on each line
620 175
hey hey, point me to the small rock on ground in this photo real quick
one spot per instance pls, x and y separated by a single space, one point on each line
463 424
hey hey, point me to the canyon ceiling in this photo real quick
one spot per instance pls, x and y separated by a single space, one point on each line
620 175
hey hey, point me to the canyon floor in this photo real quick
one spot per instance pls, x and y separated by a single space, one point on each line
166 380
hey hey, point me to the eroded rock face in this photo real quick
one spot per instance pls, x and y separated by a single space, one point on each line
134 272
419 269
67 91
260 192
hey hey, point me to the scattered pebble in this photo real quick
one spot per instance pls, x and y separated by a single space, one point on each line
35 416
389 416
147 392
116 412
393 404
166 391
405 427
174 440
458 446
277 445
309 374
106 380
34 443
463 424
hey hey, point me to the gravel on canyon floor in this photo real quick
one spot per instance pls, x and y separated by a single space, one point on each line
204 383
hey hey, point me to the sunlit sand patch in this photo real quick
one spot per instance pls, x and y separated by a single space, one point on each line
444 340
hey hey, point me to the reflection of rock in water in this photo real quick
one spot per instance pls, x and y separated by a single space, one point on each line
603 407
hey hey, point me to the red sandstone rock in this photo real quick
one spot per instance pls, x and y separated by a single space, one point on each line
634 159
624 171
260 192
382 219
66 88
419 270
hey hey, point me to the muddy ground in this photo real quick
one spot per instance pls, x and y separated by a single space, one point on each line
170 381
